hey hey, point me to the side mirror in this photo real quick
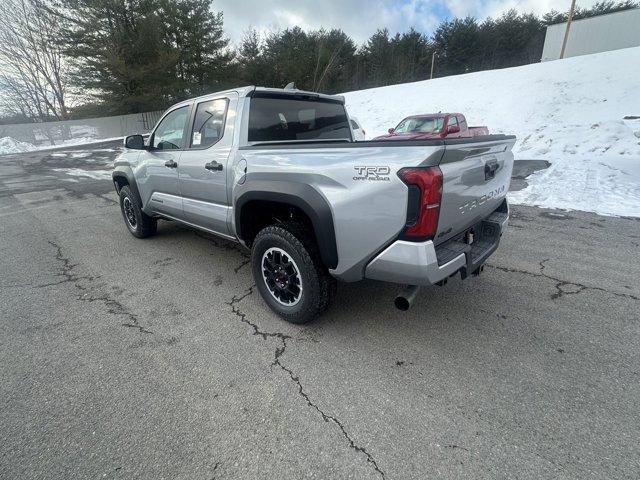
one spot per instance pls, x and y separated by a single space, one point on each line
134 142
391 130
453 129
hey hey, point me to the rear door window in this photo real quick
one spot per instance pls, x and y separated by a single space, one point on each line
208 124
274 119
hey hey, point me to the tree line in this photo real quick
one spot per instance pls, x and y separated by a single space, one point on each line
126 56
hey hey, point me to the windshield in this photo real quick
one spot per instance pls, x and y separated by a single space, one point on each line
420 125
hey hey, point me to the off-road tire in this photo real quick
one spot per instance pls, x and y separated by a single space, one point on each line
319 287
141 225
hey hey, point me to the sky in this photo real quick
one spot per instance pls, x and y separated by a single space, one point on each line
361 18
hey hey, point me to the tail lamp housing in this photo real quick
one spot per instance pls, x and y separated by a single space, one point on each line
423 204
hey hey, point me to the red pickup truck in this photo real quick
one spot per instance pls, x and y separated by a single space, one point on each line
433 125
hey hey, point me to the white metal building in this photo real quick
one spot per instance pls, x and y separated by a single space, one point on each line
592 35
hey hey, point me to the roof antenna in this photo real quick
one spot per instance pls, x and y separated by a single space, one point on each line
290 86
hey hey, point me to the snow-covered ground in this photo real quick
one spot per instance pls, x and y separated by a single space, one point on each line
569 112
10 145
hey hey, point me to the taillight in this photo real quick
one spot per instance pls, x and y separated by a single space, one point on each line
423 207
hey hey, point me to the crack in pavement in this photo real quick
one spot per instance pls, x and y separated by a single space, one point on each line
246 261
279 352
326 417
453 446
561 289
215 468
561 285
542 264
243 317
114 307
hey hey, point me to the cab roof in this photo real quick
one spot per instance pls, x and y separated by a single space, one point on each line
253 91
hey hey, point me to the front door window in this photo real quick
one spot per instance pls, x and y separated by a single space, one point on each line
170 132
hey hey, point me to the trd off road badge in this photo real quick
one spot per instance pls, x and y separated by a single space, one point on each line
372 174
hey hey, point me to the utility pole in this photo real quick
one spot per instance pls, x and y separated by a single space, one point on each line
566 32
433 61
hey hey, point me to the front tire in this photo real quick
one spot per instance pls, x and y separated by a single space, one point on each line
289 273
138 223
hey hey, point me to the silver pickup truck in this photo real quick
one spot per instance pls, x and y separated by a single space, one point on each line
278 171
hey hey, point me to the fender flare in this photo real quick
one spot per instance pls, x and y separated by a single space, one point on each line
126 174
300 195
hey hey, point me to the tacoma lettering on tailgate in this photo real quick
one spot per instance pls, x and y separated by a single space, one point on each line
467 207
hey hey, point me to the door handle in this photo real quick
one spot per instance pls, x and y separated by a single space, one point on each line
490 169
170 164
213 166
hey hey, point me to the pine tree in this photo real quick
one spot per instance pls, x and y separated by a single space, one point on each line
196 34
118 52
458 45
141 55
252 64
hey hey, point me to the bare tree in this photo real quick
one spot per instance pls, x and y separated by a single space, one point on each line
32 71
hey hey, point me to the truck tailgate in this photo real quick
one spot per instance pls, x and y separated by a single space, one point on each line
476 177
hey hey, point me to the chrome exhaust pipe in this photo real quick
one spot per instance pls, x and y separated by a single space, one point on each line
405 299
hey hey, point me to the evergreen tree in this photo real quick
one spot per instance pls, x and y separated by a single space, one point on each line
141 55
411 56
376 56
511 40
334 54
252 64
196 34
458 43
119 52
318 60
291 57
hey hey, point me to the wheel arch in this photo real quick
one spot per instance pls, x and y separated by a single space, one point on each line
302 197
122 177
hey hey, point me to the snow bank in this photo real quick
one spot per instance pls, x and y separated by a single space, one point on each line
569 112
10 145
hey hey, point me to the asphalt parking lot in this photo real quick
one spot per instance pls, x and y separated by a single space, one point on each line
125 358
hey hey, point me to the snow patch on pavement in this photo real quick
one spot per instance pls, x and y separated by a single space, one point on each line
569 112
93 174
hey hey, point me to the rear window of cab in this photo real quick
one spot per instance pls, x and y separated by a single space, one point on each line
275 119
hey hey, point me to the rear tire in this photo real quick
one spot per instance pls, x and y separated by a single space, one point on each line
289 273
138 223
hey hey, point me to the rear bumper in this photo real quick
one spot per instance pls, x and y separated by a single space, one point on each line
424 263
